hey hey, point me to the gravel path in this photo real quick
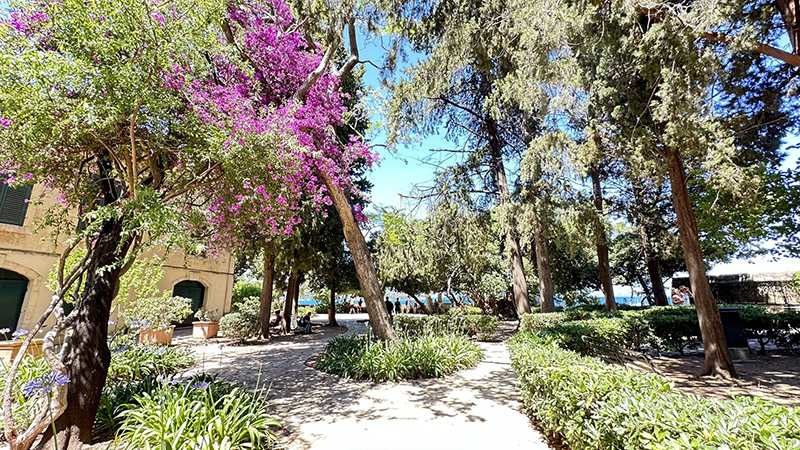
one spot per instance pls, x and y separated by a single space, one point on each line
472 409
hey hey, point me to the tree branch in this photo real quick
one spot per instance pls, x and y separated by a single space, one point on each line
353 60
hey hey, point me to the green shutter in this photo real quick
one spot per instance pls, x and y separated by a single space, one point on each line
13 203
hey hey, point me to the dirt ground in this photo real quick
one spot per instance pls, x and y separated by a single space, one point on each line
771 377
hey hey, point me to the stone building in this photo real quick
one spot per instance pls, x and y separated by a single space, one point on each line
27 256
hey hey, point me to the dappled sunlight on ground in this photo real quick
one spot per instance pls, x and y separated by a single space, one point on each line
475 408
771 377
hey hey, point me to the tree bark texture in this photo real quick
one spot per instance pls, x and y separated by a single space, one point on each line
543 266
519 283
88 357
268 276
365 268
718 360
332 307
287 305
600 239
654 270
296 296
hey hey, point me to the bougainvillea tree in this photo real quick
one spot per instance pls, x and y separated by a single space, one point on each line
160 123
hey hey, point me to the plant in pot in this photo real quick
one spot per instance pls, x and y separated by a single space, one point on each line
9 348
207 324
153 316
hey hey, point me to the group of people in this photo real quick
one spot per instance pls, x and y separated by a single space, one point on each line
304 323
682 296
399 308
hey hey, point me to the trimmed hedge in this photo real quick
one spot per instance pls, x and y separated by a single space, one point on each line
662 328
594 405
482 327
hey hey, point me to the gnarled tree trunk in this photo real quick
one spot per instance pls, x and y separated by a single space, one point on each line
718 359
88 357
268 276
365 268
288 305
332 308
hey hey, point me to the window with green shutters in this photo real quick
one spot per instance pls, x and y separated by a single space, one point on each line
13 203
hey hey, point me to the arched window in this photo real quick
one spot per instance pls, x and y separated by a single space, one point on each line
194 291
13 287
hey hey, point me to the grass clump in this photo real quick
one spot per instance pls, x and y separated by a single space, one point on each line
130 362
418 356
205 413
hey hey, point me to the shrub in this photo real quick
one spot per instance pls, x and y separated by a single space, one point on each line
540 321
199 415
241 291
321 308
781 329
156 313
244 323
482 327
136 362
593 405
303 310
422 356
676 327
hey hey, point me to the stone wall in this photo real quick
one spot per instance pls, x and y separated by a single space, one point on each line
759 288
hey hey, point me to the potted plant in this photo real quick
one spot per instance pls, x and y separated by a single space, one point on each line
10 348
207 324
153 316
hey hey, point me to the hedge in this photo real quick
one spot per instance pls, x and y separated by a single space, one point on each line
593 405
663 328
482 327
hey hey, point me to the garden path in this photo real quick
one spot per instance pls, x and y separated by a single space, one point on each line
472 409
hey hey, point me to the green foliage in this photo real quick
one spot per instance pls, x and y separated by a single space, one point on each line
481 326
239 326
24 409
420 356
207 315
783 329
118 397
322 308
156 313
135 362
592 406
242 290
197 416
677 327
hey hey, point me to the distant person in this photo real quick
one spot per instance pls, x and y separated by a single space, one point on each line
352 307
397 306
677 298
409 307
686 294
389 306
275 320
305 323
361 305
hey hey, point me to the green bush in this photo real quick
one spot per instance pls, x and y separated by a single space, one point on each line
422 356
238 326
199 415
321 308
782 329
541 321
593 405
135 362
241 291
482 327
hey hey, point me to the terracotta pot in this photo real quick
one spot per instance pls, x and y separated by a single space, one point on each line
10 349
205 330
157 336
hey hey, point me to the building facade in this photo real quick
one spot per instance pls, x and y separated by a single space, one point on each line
27 256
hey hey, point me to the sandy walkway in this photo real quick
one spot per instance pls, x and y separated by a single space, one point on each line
473 409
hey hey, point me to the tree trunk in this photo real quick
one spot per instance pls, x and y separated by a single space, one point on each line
519 283
287 305
332 308
718 360
365 268
543 266
654 270
268 276
419 303
600 238
88 357
296 296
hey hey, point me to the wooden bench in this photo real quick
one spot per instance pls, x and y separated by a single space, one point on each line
615 354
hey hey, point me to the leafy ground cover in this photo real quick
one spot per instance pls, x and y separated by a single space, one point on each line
589 404
413 356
